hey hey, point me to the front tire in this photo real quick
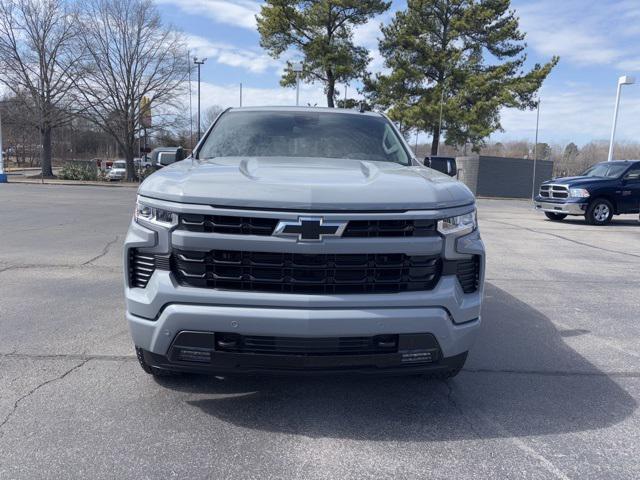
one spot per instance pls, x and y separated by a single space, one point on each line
600 212
556 217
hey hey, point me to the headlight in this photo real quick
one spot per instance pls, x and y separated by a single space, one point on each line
578 193
458 225
156 216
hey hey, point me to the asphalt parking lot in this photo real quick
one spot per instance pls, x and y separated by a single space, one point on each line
550 390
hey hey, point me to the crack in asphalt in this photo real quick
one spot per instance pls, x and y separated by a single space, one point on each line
41 266
105 250
452 401
67 356
490 424
16 404
554 373
577 242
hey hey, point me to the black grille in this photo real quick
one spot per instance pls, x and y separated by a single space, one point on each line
227 224
390 228
302 273
230 342
141 267
266 226
468 273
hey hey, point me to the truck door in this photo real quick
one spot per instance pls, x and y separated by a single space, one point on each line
629 199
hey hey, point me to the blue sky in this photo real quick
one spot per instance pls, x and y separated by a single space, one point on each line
597 41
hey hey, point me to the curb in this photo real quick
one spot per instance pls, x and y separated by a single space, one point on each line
76 183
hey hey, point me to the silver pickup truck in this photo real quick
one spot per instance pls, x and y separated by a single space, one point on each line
303 240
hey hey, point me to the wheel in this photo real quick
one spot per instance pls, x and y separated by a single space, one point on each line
599 212
156 372
555 216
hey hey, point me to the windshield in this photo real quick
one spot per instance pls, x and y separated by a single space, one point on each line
119 164
605 170
304 134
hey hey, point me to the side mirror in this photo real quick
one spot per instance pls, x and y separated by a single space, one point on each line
166 158
446 165
180 154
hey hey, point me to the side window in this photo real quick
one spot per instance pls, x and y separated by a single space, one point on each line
392 147
633 174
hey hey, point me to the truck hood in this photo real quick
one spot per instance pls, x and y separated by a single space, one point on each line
580 181
305 184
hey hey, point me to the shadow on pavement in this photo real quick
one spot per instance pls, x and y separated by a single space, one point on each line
627 221
520 376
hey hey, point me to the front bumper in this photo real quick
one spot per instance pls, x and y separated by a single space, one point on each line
233 363
157 336
578 207
158 313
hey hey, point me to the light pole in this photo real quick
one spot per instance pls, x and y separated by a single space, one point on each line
198 63
535 150
440 120
297 68
190 105
3 176
624 80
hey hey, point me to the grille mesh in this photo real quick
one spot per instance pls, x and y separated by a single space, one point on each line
265 226
227 224
309 346
303 273
141 267
468 273
554 191
390 228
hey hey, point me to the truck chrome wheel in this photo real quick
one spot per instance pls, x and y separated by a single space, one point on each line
601 212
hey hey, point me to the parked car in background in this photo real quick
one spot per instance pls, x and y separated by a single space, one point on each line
142 163
118 170
604 190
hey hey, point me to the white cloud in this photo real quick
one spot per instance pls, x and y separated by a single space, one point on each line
253 60
229 95
239 13
578 114
582 33
367 36
629 65
568 30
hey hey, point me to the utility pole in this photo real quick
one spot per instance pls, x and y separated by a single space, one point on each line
535 151
297 68
240 94
198 63
3 176
440 121
190 107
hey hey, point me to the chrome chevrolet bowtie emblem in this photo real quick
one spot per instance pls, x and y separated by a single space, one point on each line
309 229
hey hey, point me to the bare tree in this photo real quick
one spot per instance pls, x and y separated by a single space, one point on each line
131 55
210 115
36 57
